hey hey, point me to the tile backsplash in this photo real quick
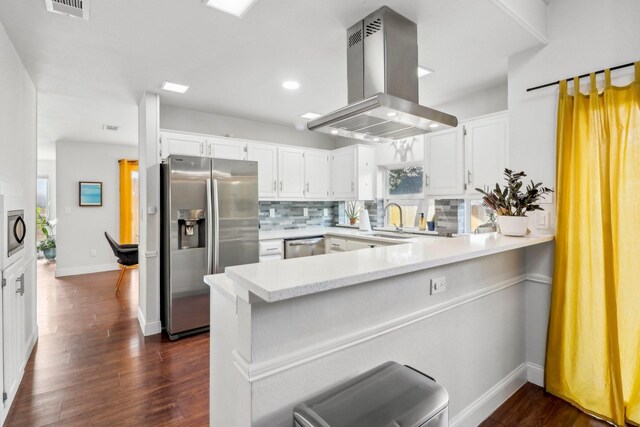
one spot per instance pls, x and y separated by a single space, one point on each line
450 215
290 215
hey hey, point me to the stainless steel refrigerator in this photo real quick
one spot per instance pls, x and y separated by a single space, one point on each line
209 221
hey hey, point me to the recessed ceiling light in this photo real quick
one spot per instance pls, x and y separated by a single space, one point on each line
392 114
376 139
112 128
422 71
174 87
335 132
434 125
233 7
291 85
310 116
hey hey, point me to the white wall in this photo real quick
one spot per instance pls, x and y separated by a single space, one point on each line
81 229
585 36
18 148
213 124
479 103
48 168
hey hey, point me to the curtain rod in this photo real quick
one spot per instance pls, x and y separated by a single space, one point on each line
630 64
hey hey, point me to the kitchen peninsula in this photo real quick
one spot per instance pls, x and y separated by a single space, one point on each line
453 308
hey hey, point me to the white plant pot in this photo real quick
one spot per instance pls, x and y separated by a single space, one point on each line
513 225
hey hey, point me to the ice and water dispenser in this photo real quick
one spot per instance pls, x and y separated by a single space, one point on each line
191 228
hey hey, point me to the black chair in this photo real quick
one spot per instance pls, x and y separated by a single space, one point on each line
127 257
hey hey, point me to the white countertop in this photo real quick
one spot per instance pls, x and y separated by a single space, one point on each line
280 280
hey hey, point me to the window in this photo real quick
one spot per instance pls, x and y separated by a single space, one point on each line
42 194
405 181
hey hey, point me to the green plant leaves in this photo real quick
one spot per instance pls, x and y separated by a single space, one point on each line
512 200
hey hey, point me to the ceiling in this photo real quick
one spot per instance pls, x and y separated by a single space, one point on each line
90 73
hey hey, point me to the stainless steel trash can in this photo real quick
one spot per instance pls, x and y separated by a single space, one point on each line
388 395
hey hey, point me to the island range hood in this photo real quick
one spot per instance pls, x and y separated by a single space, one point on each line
382 72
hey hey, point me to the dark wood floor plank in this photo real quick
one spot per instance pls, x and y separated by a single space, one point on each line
531 406
92 366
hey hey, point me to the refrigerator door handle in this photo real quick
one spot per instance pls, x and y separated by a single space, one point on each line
216 228
209 230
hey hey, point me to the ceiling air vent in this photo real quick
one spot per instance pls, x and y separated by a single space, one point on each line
75 8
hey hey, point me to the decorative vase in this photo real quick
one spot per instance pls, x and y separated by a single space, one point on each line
352 221
513 225
50 254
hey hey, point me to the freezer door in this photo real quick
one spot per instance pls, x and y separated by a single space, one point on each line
235 213
185 230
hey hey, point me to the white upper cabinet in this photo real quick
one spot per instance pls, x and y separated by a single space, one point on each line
444 161
226 148
486 143
316 174
291 173
343 173
182 144
353 173
267 157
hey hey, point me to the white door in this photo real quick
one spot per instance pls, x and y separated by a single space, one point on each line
267 157
444 162
343 173
290 173
316 174
181 144
225 148
12 327
486 145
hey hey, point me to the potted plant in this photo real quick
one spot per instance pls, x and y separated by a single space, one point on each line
511 203
48 244
352 210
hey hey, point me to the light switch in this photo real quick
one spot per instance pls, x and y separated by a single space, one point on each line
305 211
272 213
543 220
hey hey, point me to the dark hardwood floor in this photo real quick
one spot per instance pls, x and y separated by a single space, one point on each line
531 406
92 366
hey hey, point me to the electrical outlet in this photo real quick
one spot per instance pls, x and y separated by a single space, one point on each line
305 211
272 213
326 212
438 284
92 252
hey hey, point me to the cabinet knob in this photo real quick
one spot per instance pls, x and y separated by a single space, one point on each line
307 187
274 185
469 177
280 185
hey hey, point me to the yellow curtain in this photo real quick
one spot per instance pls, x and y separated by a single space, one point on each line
593 352
128 202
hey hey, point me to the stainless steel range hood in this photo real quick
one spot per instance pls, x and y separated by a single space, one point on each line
382 69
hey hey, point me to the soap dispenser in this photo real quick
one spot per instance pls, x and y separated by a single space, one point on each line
423 222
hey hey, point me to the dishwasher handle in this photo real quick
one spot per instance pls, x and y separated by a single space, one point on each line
308 242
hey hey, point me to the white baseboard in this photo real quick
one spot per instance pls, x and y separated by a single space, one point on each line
88 269
535 374
151 328
486 404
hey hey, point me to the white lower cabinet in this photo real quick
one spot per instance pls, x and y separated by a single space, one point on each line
271 250
334 244
340 244
18 328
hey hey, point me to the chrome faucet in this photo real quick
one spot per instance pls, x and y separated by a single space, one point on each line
400 209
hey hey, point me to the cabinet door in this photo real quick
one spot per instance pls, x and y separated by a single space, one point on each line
290 173
334 244
486 145
343 173
267 157
444 162
181 144
12 328
316 174
354 245
226 149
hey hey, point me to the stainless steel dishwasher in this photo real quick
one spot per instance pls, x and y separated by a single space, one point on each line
296 248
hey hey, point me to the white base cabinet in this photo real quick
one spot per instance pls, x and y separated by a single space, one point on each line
17 328
271 250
